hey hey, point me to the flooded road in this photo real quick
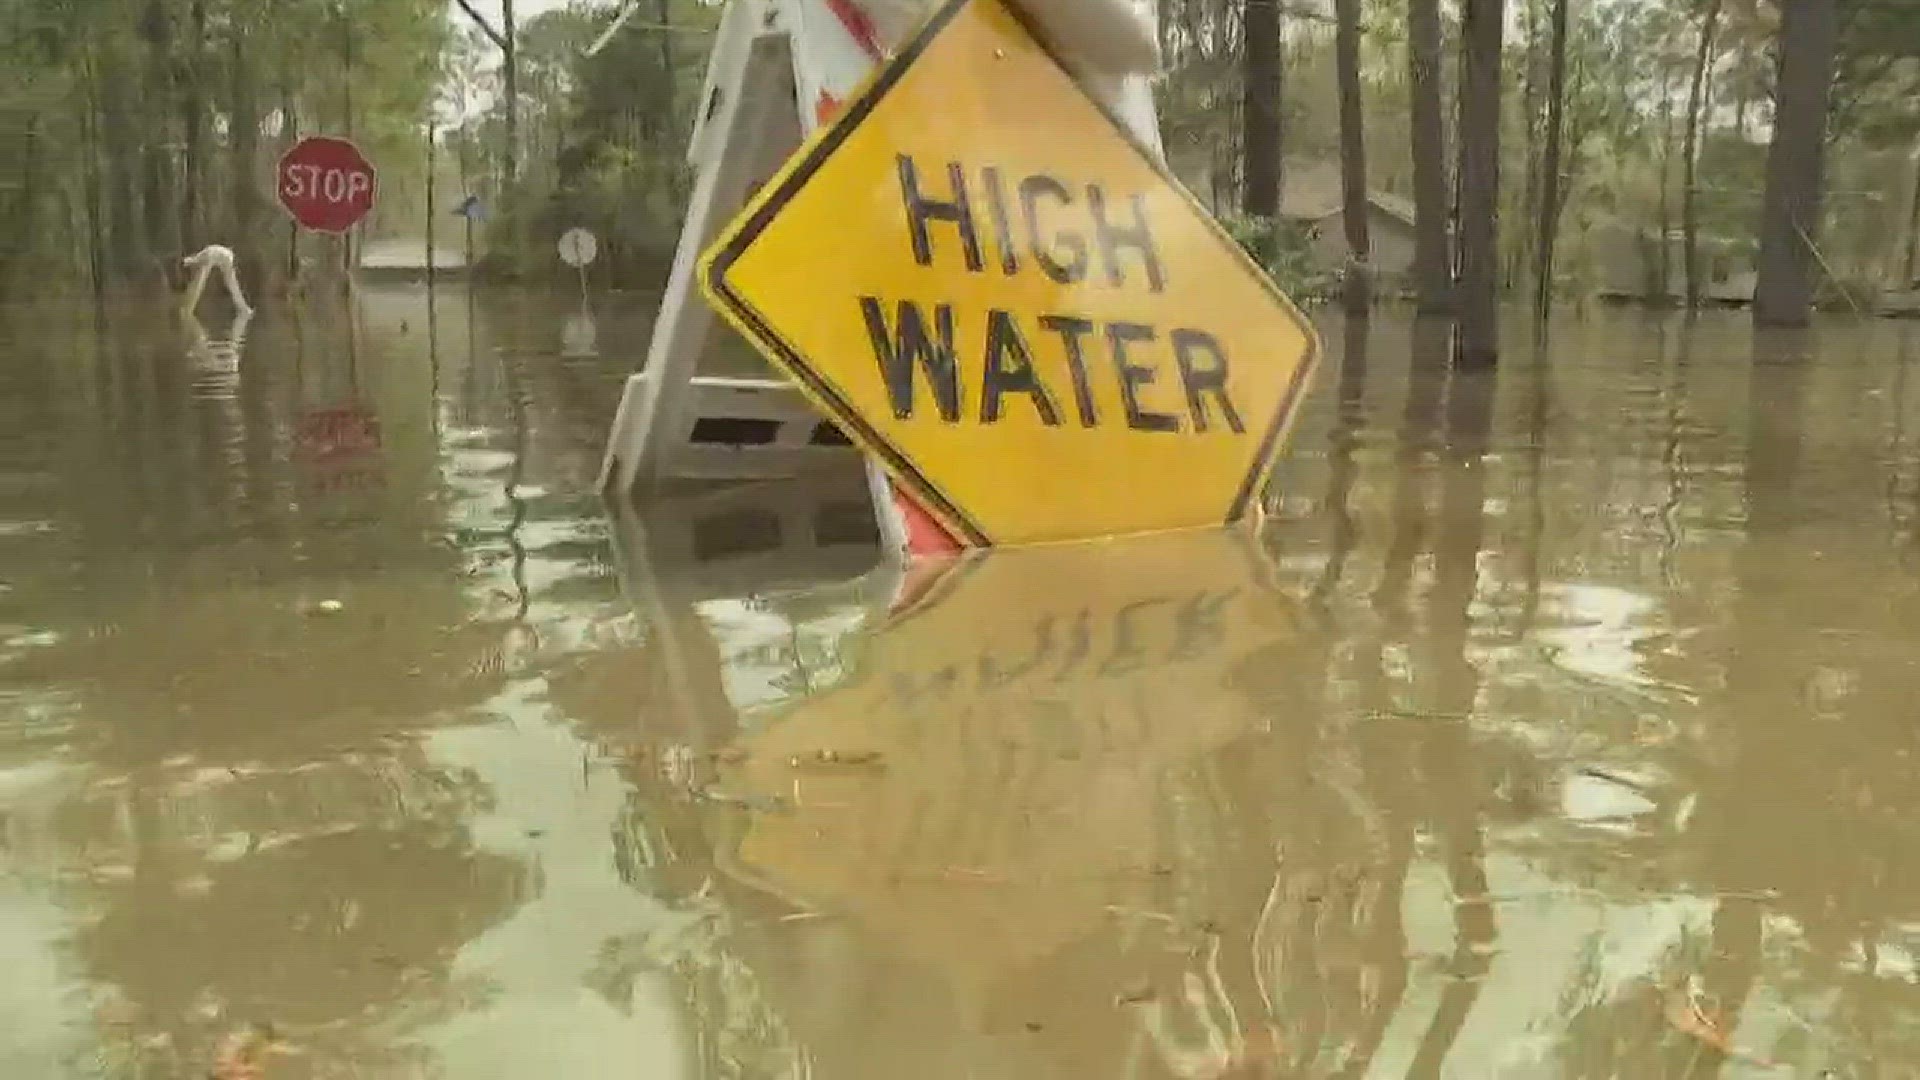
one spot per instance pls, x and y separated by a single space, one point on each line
1557 726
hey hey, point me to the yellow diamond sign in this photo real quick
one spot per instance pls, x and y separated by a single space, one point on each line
990 287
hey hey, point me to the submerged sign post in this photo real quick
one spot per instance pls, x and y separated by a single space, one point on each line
1039 333
578 248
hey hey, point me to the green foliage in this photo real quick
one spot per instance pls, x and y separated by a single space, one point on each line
1285 249
133 129
603 142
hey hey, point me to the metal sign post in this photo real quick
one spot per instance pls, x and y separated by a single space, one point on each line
578 248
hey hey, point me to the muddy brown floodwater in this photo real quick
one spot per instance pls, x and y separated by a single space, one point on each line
1562 725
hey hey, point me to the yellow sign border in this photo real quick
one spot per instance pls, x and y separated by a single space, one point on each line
770 200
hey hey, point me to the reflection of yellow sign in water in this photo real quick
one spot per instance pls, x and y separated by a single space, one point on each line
995 291
999 771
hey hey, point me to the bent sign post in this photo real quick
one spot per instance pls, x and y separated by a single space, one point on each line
1038 332
326 184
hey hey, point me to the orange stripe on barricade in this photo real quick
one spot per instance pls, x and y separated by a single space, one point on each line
825 108
857 24
925 536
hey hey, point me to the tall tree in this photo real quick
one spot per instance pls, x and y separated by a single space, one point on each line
157 190
1432 261
1662 291
1913 231
1477 343
1796 163
1353 159
1551 167
506 38
1690 164
1260 144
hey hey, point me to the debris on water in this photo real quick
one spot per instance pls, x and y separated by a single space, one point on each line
969 873
1688 1012
838 759
242 1054
329 607
1427 715
1134 995
765 803
1140 913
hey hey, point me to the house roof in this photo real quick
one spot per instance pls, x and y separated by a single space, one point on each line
1309 188
1311 191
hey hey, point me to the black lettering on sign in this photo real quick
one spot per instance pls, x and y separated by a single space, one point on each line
1071 330
1010 369
901 348
1115 238
1203 370
1133 377
1047 252
921 210
1002 220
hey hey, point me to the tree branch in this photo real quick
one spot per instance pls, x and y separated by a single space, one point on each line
499 39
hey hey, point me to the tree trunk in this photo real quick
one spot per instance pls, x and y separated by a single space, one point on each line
347 77
90 175
1260 111
243 127
1913 230
157 195
1353 159
679 178
1690 196
1530 133
1482 27
1551 168
290 131
1663 251
120 173
24 211
1432 261
510 58
193 111
1796 163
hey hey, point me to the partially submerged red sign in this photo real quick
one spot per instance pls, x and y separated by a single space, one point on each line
348 431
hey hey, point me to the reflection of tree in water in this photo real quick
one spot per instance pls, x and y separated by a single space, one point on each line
1415 736
257 833
712 949
316 935
659 717
233 675
1777 853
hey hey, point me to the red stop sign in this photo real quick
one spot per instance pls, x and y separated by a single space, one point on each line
325 183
